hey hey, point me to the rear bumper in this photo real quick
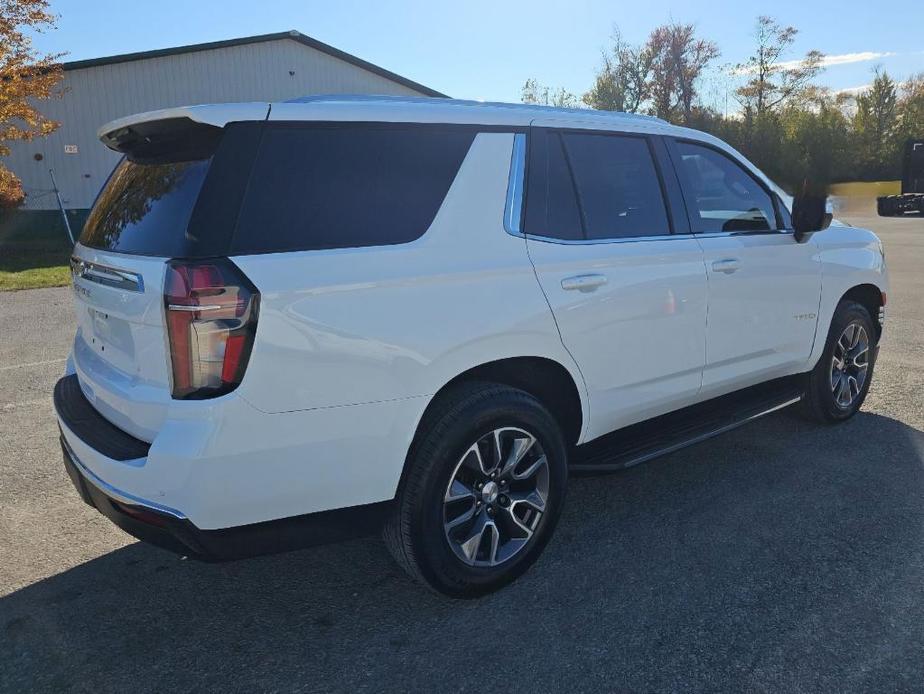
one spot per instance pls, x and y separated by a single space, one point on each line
205 501
169 529
223 464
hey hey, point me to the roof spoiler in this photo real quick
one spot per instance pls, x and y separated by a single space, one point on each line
129 133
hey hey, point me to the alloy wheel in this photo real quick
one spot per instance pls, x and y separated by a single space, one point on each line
496 497
849 365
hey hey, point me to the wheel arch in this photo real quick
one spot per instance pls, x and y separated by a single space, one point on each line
546 379
871 298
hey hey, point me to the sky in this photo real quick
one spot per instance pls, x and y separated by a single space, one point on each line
483 49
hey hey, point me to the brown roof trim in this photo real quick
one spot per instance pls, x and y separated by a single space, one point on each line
292 35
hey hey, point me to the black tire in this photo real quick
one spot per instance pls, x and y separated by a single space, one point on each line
461 417
819 402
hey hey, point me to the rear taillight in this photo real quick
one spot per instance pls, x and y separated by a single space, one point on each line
211 311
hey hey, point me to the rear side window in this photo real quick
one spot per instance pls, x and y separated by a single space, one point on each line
145 208
593 186
322 186
146 205
721 195
618 186
551 203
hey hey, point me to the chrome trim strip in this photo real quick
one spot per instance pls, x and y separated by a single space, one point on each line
106 275
661 237
115 492
645 457
514 206
184 307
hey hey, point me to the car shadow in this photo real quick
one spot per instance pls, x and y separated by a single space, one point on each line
781 556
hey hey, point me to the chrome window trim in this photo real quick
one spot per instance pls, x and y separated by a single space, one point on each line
645 239
513 210
106 275
115 492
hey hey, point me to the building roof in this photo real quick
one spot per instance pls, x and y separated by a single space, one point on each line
262 38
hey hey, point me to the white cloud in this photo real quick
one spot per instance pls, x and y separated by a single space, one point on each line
853 91
827 61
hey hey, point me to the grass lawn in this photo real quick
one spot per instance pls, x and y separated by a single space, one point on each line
37 261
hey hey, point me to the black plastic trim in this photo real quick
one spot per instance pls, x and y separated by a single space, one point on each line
185 539
670 432
80 417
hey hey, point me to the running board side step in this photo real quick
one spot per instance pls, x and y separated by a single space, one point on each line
642 442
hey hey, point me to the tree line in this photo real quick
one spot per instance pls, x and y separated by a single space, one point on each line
792 128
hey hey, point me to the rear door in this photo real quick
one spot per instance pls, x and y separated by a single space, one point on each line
628 294
764 286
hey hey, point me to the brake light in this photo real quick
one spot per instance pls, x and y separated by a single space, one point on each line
211 311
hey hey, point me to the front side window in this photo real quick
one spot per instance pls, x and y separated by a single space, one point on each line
316 186
721 195
593 186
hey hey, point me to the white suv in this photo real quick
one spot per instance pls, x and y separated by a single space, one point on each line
302 321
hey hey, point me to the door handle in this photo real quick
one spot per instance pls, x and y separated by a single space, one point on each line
583 283
726 265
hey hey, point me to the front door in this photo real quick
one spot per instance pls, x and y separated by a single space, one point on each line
764 286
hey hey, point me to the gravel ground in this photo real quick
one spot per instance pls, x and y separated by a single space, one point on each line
779 557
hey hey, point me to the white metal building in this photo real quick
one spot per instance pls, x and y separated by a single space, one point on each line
270 67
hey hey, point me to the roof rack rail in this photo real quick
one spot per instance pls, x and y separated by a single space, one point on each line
320 98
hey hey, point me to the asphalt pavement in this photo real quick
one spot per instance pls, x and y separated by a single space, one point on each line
782 556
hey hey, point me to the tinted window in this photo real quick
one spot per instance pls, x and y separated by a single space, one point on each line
316 186
618 186
145 208
551 205
721 195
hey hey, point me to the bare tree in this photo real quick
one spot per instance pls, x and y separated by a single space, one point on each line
535 93
773 81
622 83
690 57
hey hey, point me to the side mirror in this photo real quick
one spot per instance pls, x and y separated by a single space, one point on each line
810 214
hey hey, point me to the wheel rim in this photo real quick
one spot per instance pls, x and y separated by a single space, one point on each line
496 497
849 365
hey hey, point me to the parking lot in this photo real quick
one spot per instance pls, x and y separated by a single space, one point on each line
780 557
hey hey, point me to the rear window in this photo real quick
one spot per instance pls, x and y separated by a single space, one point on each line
324 186
145 208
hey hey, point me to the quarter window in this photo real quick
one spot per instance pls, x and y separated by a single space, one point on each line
721 195
314 186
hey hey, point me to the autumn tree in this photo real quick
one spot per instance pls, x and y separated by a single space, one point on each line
26 76
678 58
772 81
